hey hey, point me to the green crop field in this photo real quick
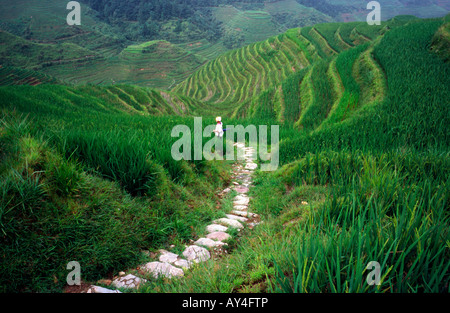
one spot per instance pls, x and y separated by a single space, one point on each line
100 54
87 172
157 64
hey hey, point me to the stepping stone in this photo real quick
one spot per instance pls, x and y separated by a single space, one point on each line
164 269
215 228
240 207
98 289
251 166
196 254
208 243
218 235
129 281
244 213
167 257
246 182
182 263
241 200
229 222
241 189
237 218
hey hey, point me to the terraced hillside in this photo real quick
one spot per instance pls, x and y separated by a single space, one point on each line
311 76
244 73
157 64
44 22
128 99
18 52
15 76
363 170
35 36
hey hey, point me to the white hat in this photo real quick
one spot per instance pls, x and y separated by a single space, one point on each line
218 119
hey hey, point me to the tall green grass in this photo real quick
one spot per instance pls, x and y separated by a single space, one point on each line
323 96
381 212
90 176
90 183
413 114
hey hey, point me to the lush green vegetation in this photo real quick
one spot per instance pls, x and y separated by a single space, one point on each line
36 36
364 155
17 76
240 76
366 182
87 174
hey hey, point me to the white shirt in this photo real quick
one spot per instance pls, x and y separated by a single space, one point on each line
219 130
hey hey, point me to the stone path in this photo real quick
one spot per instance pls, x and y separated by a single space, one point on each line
173 265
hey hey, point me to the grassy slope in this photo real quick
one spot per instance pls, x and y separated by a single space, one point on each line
160 65
19 52
16 76
65 48
90 53
238 78
374 187
382 196
89 171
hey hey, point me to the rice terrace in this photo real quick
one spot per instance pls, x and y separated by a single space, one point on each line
114 131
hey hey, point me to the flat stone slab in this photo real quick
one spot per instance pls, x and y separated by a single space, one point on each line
207 242
244 213
241 189
229 222
215 228
196 254
168 257
240 208
251 166
182 263
164 269
241 200
218 235
237 218
98 289
128 281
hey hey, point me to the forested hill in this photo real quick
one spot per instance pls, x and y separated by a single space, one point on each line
152 15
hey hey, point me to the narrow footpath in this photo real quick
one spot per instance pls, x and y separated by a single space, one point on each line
172 265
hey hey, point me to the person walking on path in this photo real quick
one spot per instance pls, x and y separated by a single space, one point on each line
219 127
